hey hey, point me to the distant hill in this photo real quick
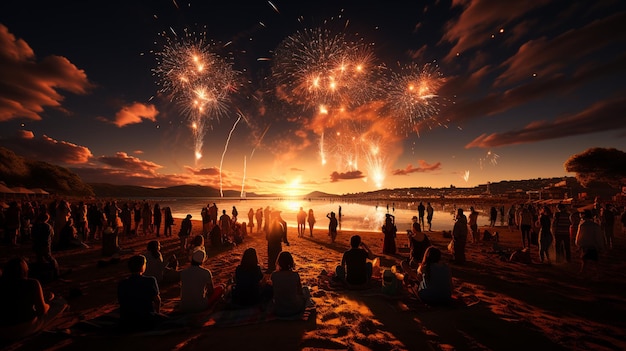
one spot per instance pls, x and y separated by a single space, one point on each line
123 191
16 170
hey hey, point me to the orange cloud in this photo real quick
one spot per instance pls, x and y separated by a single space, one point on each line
128 163
135 113
47 149
336 176
423 167
600 117
27 87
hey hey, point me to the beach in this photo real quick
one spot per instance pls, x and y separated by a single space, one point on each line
499 305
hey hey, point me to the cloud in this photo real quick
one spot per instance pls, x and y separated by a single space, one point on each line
547 56
423 167
128 163
295 169
121 176
480 19
600 117
212 171
336 176
28 86
135 113
47 149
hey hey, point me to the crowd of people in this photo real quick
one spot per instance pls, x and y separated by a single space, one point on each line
81 224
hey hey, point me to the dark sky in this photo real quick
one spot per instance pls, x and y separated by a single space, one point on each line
520 87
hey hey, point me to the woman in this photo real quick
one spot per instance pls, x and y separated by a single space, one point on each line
435 285
289 296
251 220
164 272
23 309
332 226
311 219
248 277
545 233
418 243
459 237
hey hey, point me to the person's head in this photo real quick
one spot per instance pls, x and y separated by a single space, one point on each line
414 219
15 269
355 241
154 248
416 227
560 207
285 261
332 214
188 216
459 213
198 240
587 214
249 259
137 264
432 255
223 211
198 257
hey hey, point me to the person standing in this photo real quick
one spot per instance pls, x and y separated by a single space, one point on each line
561 229
389 232
225 224
259 219
275 237
607 222
235 214
168 221
545 233
251 220
459 237
525 221
339 216
493 216
590 242
473 224
184 233
301 219
430 211
421 209
157 218
332 226
311 219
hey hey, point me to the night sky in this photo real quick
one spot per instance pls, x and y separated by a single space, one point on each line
508 90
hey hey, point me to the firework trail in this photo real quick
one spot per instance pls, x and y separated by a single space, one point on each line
224 152
412 95
466 176
243 181
490 157
260 140
192 73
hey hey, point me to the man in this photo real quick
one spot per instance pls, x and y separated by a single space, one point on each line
420 213
139 298
184 233
590 241
197 292
560 228
275 236
459 237
301 217
430 211
354 268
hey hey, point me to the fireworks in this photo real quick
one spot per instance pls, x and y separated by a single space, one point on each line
200 81
490 157
413 95
325 71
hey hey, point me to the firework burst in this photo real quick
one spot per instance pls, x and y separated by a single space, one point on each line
190 71
412 95
323 71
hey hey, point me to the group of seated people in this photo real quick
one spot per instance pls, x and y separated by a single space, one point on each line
26 311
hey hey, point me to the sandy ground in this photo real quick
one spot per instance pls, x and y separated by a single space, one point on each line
509 306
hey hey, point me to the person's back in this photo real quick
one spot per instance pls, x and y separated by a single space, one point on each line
436 281
289 298
17 300
138 297
196 283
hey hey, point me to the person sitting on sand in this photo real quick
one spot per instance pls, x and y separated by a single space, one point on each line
164 272
197 291
289 296
248 280
418 243
23 309
590 242
435 280
139 298
355 269
196 244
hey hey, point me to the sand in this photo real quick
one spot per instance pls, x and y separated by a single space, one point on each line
499 305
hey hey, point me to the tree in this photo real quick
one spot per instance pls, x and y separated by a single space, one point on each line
599 165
